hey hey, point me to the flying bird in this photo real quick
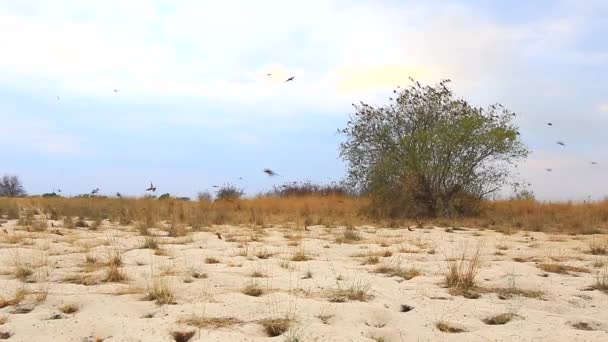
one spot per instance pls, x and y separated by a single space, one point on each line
549 124
561 143
215 186
95 191
410 229
268 74
270 172
290 79
593 163
119 195
549 169
116 90
58 190
151 188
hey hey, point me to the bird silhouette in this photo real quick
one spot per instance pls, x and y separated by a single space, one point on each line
215 186
549 169
219 236
410 229
119 195
290 79
270 172
549 124
116 90
58 190
95 191
268 74
561 143
593 163
151 188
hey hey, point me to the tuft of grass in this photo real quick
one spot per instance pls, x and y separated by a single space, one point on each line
203 322
211 260
114 274
598 246
161 292
22 272
150 242
371 260
183 336
276 326
562 269
448 327
397 271
307 275
357 291
601 280
499 319
69 308
460 274
300 255
349 235
253 290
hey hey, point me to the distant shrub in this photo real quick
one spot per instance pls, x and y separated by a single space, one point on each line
308 188
204 196
50 194
164 196
228 192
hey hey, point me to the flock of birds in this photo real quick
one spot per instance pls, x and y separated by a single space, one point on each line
152 187
561 143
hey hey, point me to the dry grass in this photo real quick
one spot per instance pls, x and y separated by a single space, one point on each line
69 308
357 291
204 322
253 290
601 280
562 269
398 271
276 326
499 319
513 215
211 260
448 327
300 255
160 291
461 272
598 246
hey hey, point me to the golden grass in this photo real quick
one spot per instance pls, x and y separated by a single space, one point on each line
332 210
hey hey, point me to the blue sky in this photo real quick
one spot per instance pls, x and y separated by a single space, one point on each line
194 106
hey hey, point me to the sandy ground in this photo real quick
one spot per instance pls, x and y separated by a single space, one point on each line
336 295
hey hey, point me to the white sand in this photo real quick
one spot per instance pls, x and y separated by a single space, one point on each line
107 316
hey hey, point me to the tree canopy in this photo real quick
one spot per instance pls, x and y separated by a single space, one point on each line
429 153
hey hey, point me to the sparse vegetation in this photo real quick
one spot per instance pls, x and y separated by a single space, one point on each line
461 272
499 319
69 308
448 327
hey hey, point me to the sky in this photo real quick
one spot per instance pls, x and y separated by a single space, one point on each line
194 108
